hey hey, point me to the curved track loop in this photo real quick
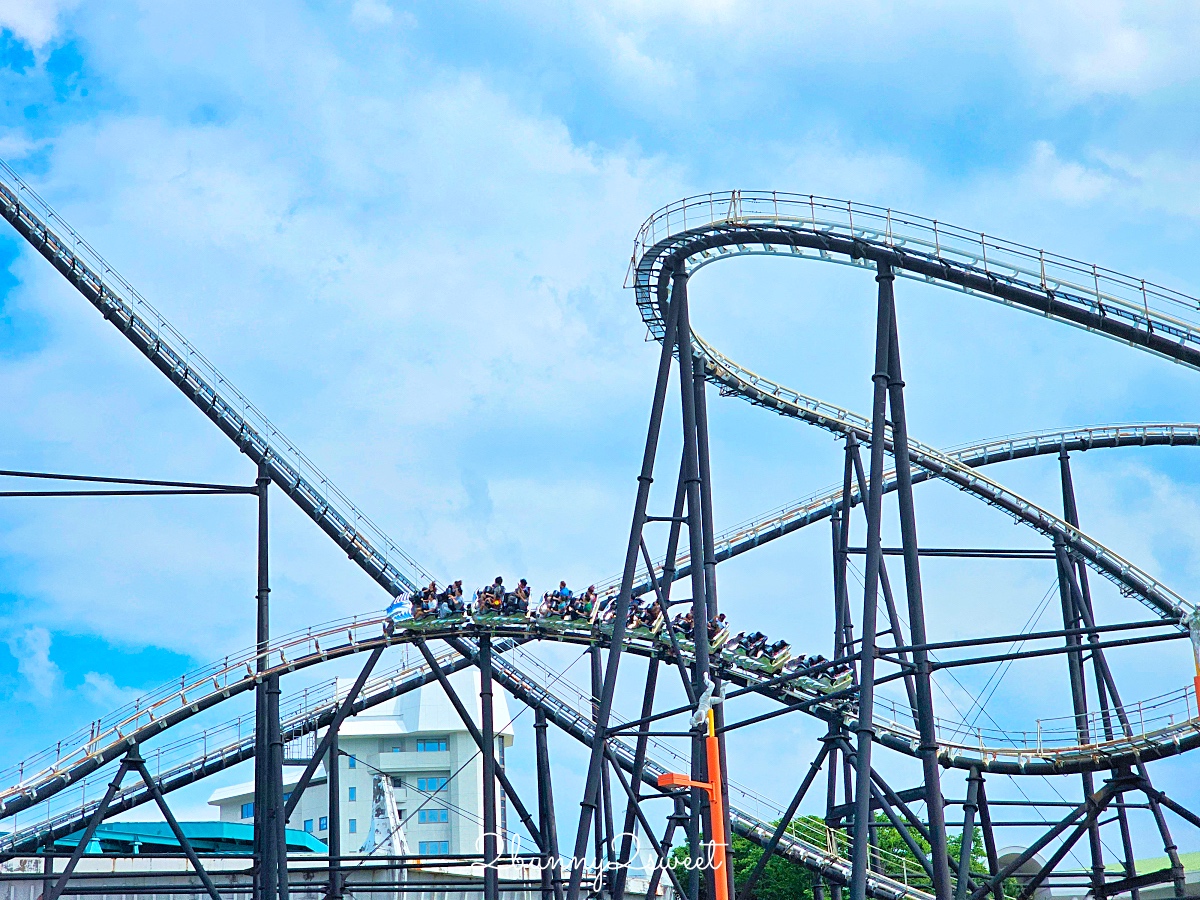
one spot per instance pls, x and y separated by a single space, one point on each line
821 505
1049 752
736 236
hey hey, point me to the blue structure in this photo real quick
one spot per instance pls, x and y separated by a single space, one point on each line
149 837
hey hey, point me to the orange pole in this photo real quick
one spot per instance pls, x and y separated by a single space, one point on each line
716 811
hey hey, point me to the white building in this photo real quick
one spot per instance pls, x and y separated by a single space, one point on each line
435 767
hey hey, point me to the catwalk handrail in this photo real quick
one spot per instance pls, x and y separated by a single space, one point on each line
187 760
201 382
812 845
1095 287
652 274
50 772
789 517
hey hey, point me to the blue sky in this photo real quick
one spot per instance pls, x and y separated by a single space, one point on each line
402 231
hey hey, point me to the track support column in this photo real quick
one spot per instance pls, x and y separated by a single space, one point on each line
333 768
491 872
860 855
591 789
926 723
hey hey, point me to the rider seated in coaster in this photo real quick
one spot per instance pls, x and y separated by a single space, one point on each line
492 596
715 626
547 606
425 602
564 592
589 600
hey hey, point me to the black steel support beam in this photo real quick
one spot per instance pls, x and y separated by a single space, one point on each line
695 526
552 887
331 734
334 773
639 764
477 736
265 845
747 891
88 833
491 871
926 723
989 841
860 853
710 594
135 761
645 478
910 686
967 846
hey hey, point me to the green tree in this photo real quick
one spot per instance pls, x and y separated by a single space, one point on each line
781 879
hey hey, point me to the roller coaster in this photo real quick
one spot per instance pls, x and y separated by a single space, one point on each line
79 782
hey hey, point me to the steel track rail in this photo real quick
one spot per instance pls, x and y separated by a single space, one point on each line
139 722
789 518
807 852
210 760
200 381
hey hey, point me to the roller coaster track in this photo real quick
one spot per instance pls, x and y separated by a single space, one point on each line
201 382
738 224
793 516
1174 725
694 232
195 757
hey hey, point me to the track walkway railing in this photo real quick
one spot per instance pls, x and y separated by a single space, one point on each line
952 251
186 760
822 504
200 381
70 762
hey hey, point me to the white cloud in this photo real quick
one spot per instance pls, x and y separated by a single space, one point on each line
371 12
1066 180
1110 46
33 21
102 691
31 647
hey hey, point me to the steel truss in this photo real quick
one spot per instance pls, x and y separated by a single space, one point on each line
623 774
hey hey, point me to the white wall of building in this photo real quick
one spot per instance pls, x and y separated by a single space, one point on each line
403 738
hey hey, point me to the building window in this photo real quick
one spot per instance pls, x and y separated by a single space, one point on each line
323 823
432 816
352 794
431 784
397 781
308 823
434 848
431 745
352 826
248 810
395 749
287 796
353 763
